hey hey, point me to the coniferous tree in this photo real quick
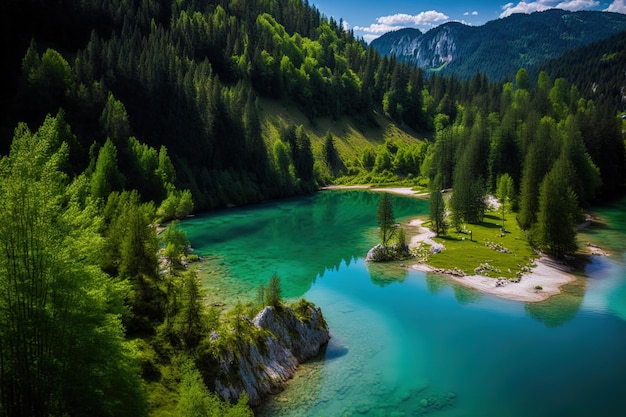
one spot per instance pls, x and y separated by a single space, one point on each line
107 176
114 122
190 321
386 219
505 192
468 198
61 340
555 230
438 211
273 292
536 164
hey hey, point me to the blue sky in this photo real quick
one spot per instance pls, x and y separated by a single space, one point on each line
371 18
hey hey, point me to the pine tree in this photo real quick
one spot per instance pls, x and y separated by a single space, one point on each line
555 231
438 211
386 219
505 192
61 339
107 176
273 292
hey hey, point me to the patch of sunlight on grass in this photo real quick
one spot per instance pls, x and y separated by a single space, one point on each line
507 253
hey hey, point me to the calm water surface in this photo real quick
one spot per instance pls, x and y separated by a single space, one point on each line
409 344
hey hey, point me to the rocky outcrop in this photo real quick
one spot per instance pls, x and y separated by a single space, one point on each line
382 253
286 336
499 47
378 253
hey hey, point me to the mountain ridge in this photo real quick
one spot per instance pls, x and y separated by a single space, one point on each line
499 47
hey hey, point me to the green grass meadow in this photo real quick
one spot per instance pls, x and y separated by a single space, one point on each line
465 254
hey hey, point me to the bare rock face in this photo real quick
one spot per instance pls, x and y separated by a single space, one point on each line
378 253
288 338
381 253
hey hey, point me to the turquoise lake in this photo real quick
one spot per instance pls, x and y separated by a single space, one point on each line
405 343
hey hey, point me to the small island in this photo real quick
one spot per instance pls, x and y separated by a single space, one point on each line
487 256
536 280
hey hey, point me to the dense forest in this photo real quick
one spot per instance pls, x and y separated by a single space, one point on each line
119 115
598 70
186 76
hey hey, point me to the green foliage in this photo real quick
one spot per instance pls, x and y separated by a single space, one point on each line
555 230
186 80
106 177
195 400
50 75
386 220
368 158
130 252
187 320
521 79
174 241
114 121
273 292
60 334
467 255
468 198
505 191
438 211
177 205
331 156
401 237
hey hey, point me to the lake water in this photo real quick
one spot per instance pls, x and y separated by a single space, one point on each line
405 343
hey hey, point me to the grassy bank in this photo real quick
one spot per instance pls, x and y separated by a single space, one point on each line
484 246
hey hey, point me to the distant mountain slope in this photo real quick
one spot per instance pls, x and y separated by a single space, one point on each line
502 46
598 70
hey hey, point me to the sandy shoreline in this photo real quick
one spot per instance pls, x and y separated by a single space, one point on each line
408 191
547 273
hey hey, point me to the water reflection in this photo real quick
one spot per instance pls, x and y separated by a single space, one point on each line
299 239
555 312
405 342
436 283
465 295
382 274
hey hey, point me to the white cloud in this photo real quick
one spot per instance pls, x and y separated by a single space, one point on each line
346 26
618 6
541 5
396 19
400 20
423 18
575 5
369 38
376 28
523 7
474 13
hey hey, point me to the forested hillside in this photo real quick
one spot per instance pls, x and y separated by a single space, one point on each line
187 76
119 115
599 70
560 150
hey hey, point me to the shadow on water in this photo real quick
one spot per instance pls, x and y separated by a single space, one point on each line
333 350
